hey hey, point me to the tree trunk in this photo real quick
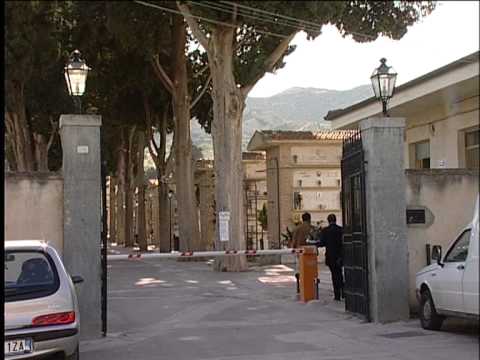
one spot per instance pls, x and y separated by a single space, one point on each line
185 194
19 131
129 183
158 153
112 214
228 105
10 155
27 150
41 152
141 223
121 194
164 218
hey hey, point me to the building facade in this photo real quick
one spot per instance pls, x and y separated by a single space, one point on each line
441 153
255 200
441 110
303 175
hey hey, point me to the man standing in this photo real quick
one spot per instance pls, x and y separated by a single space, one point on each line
331 238
302 231
299 238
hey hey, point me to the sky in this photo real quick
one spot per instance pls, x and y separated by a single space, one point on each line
450 32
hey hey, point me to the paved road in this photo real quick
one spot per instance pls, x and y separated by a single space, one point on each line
183 310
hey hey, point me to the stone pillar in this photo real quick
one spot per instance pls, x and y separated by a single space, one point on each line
385 183
80 135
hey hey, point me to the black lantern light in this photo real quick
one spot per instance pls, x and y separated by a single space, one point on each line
383 83
76 72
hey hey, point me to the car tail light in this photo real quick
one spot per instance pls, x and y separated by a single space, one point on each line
54 319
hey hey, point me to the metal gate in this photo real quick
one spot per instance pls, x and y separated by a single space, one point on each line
354 227
103 246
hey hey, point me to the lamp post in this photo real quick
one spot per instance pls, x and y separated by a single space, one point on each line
383 82
76 72
170 194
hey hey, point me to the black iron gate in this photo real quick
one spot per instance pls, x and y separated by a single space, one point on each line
103 247
354 227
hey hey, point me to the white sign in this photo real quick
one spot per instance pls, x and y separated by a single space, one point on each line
83 149
224 218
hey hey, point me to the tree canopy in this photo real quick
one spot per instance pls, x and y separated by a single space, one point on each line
37 40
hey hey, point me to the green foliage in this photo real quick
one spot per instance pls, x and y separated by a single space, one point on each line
262 217
118 46
258 34
36 47
117 39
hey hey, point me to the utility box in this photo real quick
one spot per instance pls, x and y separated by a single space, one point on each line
308 273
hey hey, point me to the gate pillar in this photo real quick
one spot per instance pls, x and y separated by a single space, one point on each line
383 145
80 136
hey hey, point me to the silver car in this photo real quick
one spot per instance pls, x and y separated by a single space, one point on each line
41 308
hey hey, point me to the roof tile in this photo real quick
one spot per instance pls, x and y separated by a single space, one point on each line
308 135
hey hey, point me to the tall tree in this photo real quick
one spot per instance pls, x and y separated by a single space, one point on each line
36 46
246 39
116 89
159 122
163 39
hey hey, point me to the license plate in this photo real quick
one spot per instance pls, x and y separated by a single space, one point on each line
20 346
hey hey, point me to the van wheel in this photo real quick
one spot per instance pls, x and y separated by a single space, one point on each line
74 356
429 318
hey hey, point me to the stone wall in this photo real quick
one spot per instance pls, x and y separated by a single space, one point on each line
34 207
448 197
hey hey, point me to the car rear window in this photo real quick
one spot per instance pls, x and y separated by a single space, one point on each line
29 275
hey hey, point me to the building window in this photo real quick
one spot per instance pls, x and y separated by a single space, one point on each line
295 158
422 155
472 149
297 201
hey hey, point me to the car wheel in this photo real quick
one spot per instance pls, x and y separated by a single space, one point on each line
429 318
74 356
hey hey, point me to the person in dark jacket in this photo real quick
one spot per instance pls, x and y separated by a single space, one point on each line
331 238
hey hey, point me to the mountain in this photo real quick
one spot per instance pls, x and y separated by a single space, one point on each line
293 109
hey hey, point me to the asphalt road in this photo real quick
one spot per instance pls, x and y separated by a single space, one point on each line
163 309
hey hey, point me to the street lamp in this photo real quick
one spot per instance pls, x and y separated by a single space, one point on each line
383 83
170 194
76 72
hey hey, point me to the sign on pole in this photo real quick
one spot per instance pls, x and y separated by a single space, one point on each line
224 218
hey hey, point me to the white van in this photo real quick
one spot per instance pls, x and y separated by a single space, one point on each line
449 287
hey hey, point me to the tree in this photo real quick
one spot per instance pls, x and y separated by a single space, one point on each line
246 39
262 217
263 220
163 39
161 122
36 42
115 89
